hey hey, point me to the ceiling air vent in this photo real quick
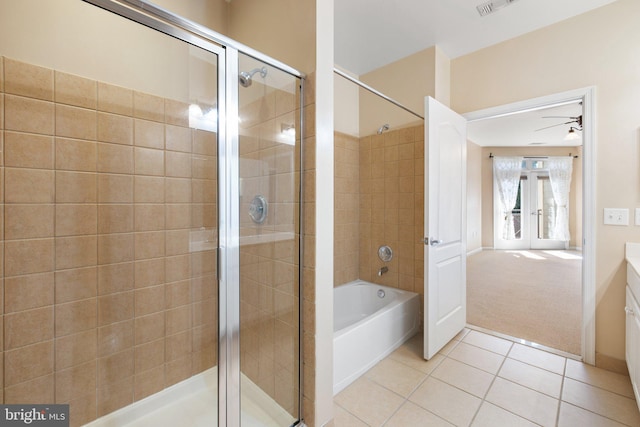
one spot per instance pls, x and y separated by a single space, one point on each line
492 6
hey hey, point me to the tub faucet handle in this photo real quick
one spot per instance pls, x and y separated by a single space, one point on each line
383 270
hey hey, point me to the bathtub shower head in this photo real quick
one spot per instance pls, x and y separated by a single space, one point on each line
383 128
245 77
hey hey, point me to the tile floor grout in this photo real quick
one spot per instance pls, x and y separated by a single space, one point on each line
564 376
493 380
482 400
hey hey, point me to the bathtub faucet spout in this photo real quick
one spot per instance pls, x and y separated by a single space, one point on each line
383 270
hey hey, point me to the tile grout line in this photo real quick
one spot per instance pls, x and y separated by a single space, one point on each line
407 398
564 376
484 398
444 357
427 376
589 409
496 375
599 388
525 343
350 413
529 388
506 356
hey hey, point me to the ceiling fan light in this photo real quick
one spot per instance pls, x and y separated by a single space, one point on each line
572 135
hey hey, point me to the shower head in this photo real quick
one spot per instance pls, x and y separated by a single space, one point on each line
383 128
245 77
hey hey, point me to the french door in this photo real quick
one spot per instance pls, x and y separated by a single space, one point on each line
534 214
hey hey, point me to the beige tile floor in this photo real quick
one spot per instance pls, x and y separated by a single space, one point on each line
482 380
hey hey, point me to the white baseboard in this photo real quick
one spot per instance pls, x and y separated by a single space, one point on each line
475 251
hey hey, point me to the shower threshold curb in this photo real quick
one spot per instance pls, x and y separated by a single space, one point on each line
193 402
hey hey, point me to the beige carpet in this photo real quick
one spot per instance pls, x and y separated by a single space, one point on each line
534 295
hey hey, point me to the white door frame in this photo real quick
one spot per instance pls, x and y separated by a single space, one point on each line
587 95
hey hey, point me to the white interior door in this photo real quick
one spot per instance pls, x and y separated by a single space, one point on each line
445 312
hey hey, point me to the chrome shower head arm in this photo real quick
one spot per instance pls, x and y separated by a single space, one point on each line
245 78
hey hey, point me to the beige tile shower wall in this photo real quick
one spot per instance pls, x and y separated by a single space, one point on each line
106 301
2 225
392 207
347 201
269 319
269 272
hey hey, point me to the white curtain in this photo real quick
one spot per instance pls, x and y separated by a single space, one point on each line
506 172
560 169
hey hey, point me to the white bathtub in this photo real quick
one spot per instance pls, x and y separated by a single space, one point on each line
368 326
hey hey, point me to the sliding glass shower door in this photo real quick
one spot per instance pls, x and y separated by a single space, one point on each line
151 199
110 204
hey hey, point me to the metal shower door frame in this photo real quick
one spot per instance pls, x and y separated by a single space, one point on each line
227 51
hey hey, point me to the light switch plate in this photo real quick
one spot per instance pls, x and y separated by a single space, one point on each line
615 216
637 216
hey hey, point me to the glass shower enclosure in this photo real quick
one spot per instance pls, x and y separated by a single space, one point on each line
151 199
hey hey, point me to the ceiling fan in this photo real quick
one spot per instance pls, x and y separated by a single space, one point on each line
574 119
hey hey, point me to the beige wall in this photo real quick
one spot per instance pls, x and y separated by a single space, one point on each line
474 197
407 81
213 14
284 30
164 66
485 165
442 77
598 48
346 111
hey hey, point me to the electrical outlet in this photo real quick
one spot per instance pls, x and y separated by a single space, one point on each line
616 216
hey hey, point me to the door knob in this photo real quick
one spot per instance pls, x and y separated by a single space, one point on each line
629 311
432 241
